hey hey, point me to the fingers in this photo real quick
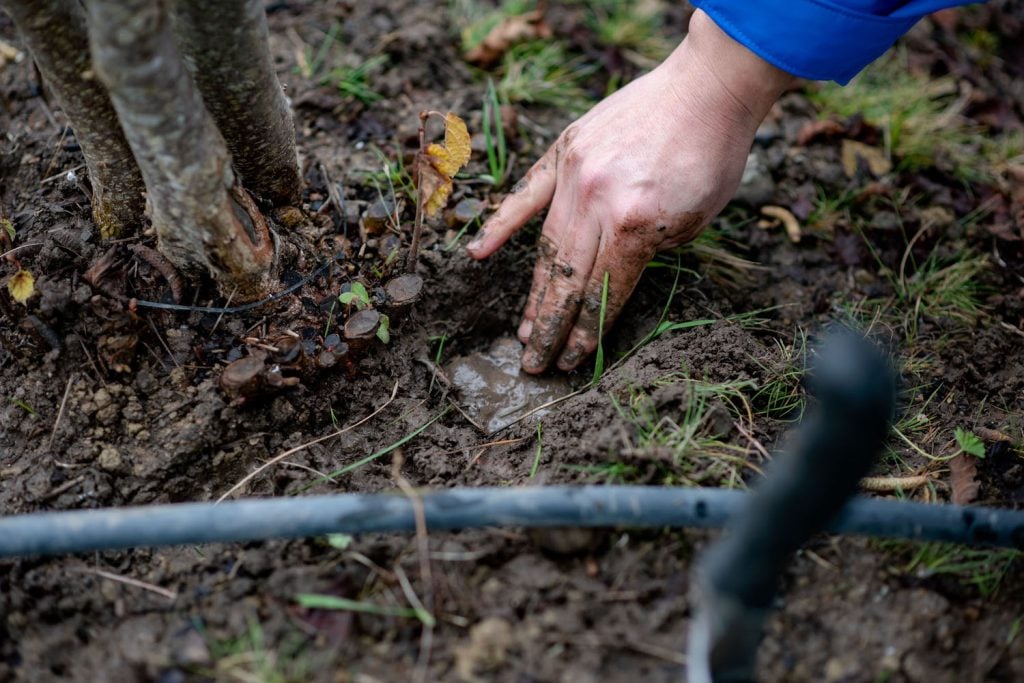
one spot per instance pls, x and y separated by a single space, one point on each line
546 252
528 197
559 303
624 267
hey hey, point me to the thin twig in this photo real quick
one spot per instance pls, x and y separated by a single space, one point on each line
160 339
544 406
19 248
44 181
469 419
66 486
417 228
60 411
892 484
292 451
95 367
221 316
128 581
750 438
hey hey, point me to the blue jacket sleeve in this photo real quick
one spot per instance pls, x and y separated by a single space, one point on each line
819 39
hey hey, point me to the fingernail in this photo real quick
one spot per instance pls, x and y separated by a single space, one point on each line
569 360
525 330
475 244
532 362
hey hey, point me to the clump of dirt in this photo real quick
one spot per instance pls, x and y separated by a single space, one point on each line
108 405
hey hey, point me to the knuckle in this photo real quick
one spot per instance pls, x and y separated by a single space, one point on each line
594 179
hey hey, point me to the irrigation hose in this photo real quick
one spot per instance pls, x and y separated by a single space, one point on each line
53 533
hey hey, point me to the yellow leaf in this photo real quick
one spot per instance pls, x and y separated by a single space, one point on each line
442 160
21 286
438 200
456 139
456 151
8 227
434 186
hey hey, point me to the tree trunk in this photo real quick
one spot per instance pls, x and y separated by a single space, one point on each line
225 48
55 33
201 214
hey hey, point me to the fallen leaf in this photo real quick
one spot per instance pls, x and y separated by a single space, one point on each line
508 32
993 435
21 286
816 131
9 54
8 227
440 163
788 220
963 470
854 152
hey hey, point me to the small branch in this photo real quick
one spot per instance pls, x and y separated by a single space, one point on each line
893 484
60 411
417 228
128 581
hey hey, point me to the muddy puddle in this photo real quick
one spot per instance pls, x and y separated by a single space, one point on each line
496 392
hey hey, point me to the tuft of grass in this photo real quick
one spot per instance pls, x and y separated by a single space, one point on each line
921 117
633 27
355 81
690 445
494 138
781 396
249 659
981 569
542 72
718 261
476 19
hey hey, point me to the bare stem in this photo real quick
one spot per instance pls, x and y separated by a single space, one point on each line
417 228
55 33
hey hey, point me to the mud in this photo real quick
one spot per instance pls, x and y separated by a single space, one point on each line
125 408
496 392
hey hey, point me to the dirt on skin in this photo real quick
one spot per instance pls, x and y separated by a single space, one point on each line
104 406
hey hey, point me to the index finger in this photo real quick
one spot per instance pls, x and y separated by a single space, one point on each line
528 197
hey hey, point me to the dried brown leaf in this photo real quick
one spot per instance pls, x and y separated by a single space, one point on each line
434 186
963 470
510 31
854 152
815 131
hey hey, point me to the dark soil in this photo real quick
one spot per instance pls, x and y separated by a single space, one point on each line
106 406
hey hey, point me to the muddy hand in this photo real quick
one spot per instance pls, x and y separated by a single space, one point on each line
644 170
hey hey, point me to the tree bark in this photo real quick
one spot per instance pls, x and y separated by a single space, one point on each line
201 214
226 49
55 33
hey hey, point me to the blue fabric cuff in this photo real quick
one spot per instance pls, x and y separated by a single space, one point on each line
814 39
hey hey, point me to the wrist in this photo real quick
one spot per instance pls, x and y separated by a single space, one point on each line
726 76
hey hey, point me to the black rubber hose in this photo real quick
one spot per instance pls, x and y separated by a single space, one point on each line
52 533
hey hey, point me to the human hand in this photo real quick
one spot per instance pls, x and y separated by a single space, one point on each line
644 170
